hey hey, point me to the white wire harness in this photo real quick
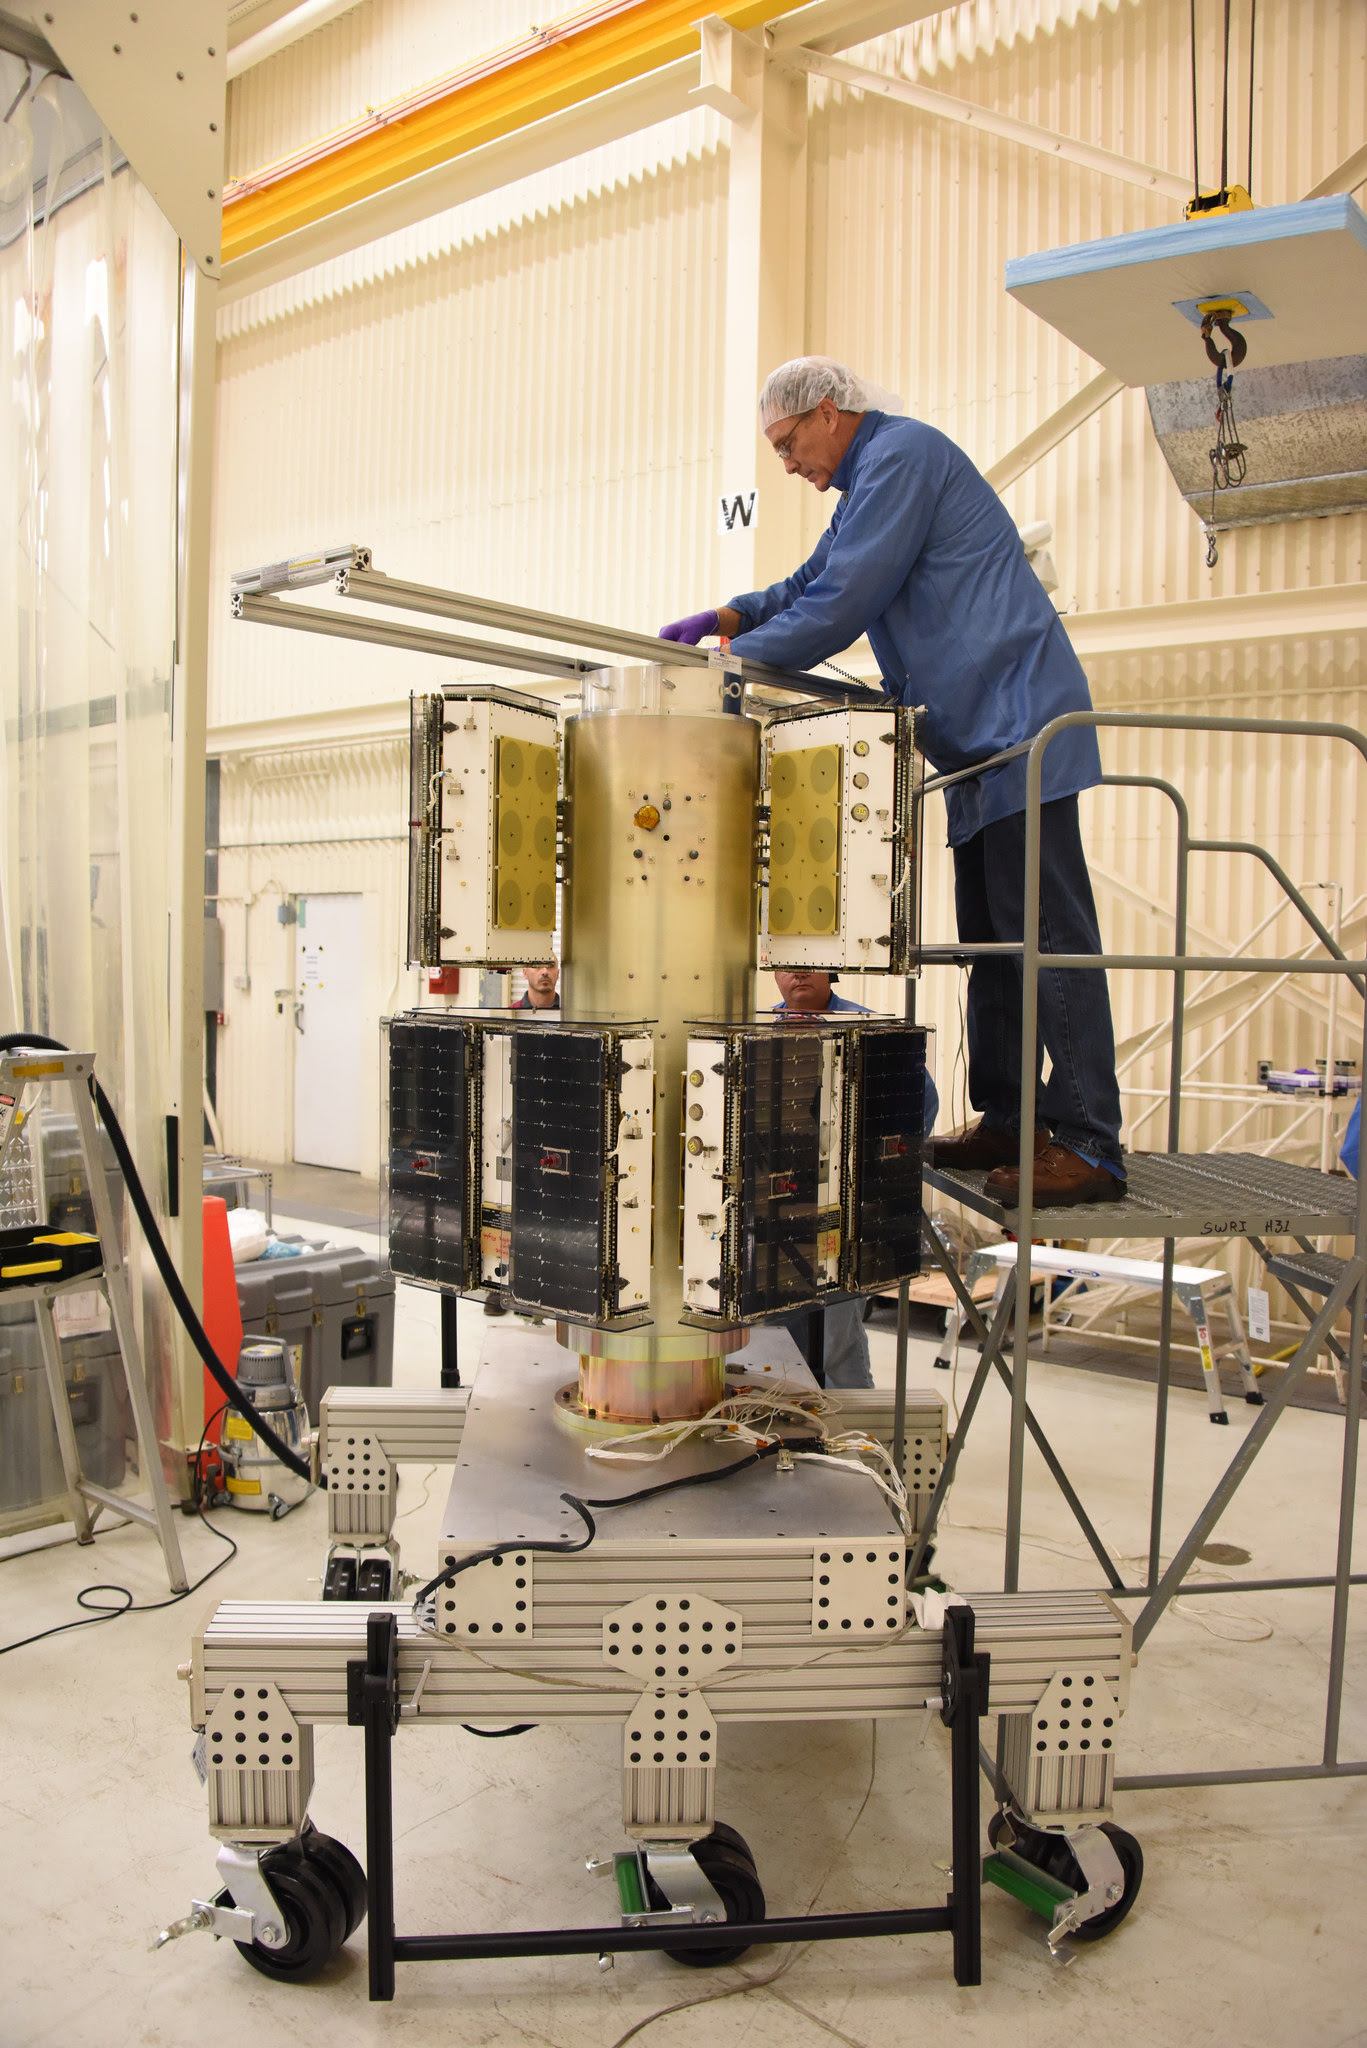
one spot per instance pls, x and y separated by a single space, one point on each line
756 1421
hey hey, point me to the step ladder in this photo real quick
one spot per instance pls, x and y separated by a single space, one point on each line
19 1070
1197 1288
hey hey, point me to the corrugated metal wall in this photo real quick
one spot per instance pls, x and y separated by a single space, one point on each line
523 398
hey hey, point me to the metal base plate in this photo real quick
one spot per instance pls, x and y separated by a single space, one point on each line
1187 1194
517 1458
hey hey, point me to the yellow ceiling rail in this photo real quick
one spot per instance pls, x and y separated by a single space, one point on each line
559 67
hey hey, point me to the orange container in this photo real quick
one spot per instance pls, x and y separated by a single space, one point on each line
222 1315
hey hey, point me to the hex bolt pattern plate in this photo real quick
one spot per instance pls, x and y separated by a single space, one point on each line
675 1640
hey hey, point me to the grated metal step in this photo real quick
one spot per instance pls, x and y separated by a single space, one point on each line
1316 1272
1187 1194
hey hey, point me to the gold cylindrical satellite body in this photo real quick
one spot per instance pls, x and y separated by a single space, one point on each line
659 926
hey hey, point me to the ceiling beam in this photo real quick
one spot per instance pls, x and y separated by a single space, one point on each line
1219 621
1044 438
606 118
278 35
831 25
544 74
967 113
1351 173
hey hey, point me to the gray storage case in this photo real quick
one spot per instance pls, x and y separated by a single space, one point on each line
31 1474
336 1307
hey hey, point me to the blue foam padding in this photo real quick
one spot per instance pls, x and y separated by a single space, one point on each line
1188 237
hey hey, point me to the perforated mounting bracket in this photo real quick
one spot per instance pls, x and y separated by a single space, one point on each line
667 1729
490 1601
359 1465
250 1728
1077 1715
675 1639
858 1587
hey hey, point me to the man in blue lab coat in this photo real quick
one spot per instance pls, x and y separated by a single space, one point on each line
921 555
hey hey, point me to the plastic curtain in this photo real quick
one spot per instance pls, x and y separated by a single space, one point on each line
89 291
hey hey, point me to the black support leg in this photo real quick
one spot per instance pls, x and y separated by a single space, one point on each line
450 1358
964 1691
373 1699
816 1344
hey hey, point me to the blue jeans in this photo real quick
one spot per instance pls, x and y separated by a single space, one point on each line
846 1347
1081 1103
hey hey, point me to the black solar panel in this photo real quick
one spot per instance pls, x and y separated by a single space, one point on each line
427 1152
560 1221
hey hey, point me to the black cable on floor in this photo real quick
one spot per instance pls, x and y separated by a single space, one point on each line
16 1041
130 1606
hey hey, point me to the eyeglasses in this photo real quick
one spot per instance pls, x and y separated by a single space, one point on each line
784 449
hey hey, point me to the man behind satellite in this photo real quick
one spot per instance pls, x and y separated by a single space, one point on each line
809 992
921 555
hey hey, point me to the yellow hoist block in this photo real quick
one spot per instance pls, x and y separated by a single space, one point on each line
804 841
524 836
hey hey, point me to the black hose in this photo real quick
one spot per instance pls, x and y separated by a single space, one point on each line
16 1041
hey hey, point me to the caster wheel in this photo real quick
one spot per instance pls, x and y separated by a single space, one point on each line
726 1862
1132 1863
315 1918
732 1839
996 1822
1051 1853
338 1864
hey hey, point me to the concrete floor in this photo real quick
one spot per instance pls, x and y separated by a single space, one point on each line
1244 1932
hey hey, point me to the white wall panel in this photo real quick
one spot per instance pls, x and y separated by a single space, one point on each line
528 416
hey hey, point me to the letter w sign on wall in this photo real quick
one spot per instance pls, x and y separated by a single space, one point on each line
736 509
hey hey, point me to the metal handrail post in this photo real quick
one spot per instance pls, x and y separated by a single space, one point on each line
1352 1410
1289 890
1179 997
1025 1211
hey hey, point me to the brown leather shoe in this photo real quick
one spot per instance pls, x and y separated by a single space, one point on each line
1062 1179
971 1151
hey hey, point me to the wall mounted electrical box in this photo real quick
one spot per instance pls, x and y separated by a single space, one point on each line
521 1161
843 887
802 1164
485 777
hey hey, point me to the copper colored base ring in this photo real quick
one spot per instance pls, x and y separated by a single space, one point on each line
637 1391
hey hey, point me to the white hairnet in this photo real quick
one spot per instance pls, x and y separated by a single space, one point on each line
798 386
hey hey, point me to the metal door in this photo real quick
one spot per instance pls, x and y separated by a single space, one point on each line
328 1018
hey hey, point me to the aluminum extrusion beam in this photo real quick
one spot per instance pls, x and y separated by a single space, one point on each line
271 611
372 587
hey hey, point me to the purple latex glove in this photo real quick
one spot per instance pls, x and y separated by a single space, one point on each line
691 630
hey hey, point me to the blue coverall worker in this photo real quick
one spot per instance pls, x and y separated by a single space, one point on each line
845 1346
921 555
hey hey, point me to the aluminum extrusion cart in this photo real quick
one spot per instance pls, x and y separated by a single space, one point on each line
654 1172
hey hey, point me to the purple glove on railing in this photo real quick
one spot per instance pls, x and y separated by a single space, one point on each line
691 630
